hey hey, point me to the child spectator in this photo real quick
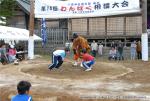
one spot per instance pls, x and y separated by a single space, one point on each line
12 54
58 57
112 54
23 88
87 60
100 49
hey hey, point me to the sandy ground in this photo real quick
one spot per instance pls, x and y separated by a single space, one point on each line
108 81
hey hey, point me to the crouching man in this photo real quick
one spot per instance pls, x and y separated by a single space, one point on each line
87 60
58 57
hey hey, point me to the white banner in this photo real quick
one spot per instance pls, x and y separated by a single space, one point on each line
84 8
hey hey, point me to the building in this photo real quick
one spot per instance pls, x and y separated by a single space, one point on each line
122 27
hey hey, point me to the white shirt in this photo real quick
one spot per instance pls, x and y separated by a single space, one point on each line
100 47
94 46
60 53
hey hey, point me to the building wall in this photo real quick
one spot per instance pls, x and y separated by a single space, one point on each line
97 26
110 26
115 26
134 25
18 20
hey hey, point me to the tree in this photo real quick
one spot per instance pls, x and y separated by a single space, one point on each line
7 7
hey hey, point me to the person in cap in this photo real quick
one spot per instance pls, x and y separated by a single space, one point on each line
79 43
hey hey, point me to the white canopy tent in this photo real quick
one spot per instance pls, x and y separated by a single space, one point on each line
11 33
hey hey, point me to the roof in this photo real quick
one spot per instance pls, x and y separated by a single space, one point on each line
24 5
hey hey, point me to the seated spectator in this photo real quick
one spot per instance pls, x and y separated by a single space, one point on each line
12 54
3 55
20 56
23 88
112 54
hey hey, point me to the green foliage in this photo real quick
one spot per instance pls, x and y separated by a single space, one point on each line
7 7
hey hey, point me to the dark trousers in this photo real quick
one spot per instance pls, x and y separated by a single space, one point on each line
94 53
3 60
112 57
120 57
139 55
56 62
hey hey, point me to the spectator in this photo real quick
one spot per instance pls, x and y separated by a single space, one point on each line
94 47
67 45
12 54
133 50
100 49
113 44
4 59
112 54
120 50
20 56
23 88
138 50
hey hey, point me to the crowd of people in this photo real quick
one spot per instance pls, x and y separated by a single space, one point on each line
8 54
116 51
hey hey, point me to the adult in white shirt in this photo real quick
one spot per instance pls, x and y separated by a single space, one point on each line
100 49
94 47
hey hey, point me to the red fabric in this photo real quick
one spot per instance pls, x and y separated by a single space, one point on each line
12 52
87 57
76 57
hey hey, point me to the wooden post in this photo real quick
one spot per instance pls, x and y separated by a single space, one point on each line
69 28
144 16
31 30
144 31
88 33
124 26
105 31
31 23
105 26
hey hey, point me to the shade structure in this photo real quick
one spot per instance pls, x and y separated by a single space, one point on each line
11 33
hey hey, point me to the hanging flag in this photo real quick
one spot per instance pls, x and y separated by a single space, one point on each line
43 31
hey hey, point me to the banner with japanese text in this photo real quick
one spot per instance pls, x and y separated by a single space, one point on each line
84 8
